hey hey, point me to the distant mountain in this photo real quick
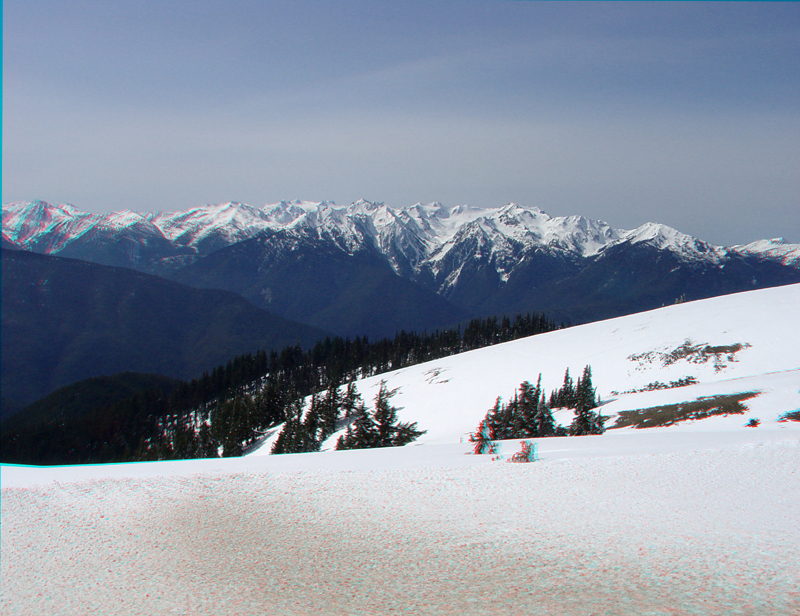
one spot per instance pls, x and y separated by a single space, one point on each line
307 276
64 320
481 260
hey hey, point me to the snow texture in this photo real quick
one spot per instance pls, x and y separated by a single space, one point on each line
697 518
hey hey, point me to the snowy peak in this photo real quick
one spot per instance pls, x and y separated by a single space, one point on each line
220 224
685 247
33 225
424 241
776 249
503 235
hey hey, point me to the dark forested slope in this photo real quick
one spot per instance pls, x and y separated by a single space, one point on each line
64 320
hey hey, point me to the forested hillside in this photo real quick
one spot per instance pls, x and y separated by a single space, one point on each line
232 405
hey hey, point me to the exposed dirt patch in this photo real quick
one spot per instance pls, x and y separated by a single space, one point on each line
669 414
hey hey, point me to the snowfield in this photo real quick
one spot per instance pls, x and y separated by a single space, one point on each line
700 517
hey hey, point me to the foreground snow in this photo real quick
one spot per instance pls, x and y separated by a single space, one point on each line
697 518
628 523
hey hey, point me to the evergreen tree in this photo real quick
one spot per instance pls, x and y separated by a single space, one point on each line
586 421
330 410
290 439
346 440
351 406
585 392
385 417
543 420
511 414
566 396
207 447
483 438
527 404
350 400
406 433
500 420
365 433
310 439
379 428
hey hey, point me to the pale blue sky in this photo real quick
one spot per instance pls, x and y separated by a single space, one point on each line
681 113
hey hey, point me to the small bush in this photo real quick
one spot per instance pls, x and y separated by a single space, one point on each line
528 453
753 423
791 416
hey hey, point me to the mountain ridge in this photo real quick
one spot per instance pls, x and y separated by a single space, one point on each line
483 261
419 233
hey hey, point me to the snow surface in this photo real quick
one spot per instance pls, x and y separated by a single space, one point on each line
698 518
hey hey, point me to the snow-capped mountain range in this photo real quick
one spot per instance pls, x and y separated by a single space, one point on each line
483 260
411 238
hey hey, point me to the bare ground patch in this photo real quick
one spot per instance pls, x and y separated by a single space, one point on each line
669 414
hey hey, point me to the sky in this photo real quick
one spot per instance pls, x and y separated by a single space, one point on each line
686 114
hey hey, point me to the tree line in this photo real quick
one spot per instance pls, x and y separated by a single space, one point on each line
227 409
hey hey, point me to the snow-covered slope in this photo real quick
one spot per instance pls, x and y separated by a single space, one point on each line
698 518
746 342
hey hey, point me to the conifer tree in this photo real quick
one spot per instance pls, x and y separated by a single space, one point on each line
365 433
512 428
586 421
385 416
565 397
351 407
543 420
350 400
483 438
406 433
346 440
207 447
568 391
379 428
499 420
330 410
235 432
310 440
527 404
585 393
290 438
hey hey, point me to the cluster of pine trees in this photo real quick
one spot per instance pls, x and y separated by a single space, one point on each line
379 428
528 415
306 431
581 396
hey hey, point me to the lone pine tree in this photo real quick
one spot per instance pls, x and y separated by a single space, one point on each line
483 439
586 420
